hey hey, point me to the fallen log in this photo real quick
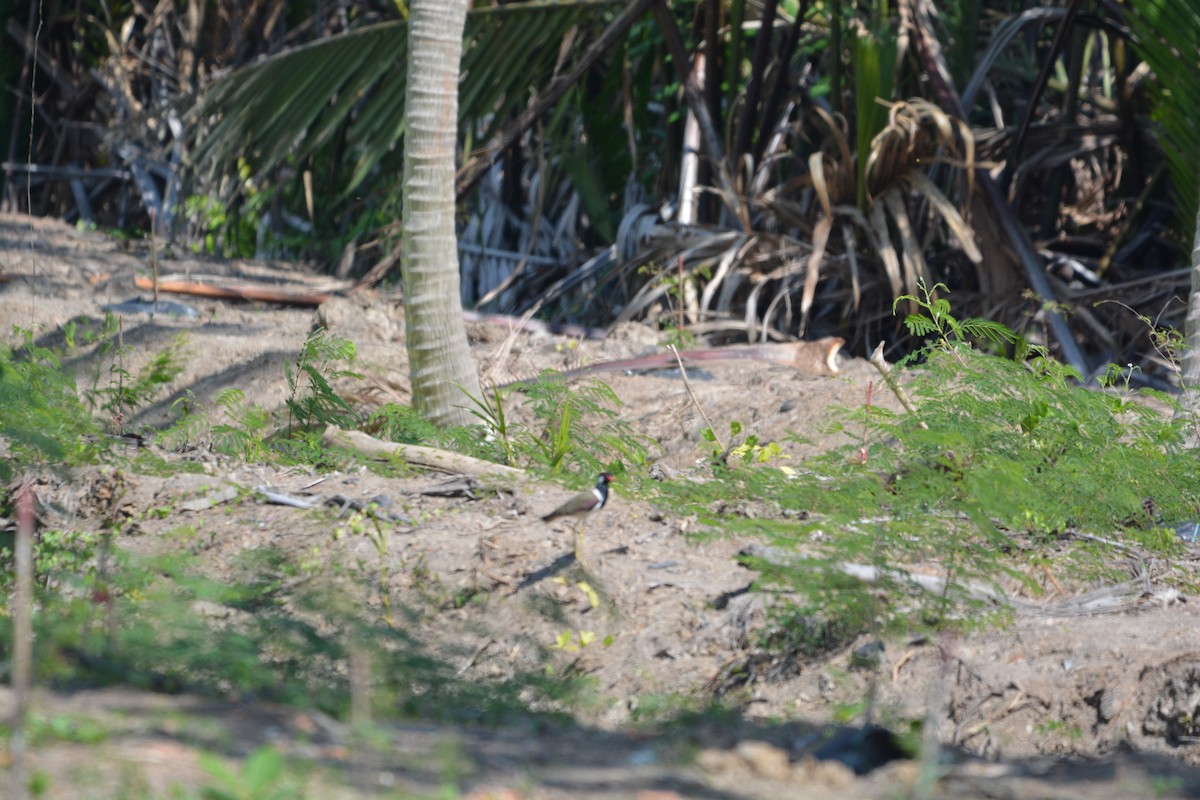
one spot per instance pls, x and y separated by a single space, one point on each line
418 456
240 291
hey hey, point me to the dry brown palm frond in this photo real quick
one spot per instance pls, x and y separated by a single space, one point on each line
736 270
1093 156
911 256
816 171
918 134
852 259
765 278
812 272
696 246
839 171
921 184
884 248
728 259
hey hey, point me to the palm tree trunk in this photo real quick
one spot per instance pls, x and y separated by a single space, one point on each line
438 354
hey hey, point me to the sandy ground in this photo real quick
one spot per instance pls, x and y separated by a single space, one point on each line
1068 706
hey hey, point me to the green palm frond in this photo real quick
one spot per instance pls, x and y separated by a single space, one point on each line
1168 37
874 60
294 103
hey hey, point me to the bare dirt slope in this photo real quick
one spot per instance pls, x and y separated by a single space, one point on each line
1070 706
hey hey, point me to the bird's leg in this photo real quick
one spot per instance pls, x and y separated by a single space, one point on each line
579 544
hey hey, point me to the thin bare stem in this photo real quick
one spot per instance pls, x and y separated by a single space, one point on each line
688 386
885 370
22 660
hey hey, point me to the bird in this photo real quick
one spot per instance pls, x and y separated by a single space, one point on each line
580 507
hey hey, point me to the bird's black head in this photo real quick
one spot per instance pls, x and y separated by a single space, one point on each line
604 479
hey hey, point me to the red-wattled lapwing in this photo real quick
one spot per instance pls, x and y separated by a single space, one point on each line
580 507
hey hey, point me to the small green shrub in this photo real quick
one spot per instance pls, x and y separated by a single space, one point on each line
262 777
577 427
311 399
115 390
253 433
42 419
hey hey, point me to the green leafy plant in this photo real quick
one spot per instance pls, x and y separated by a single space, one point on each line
489 409
311 399
254 433
1003 464
366 523
262 777
244 430
117 391
41 417
576 428
934 319
743 447
580 427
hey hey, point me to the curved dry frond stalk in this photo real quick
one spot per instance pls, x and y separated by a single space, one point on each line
731 255
1002 36
910 249
816 170
813 270
751 310
729 291
782 297
706 245
838 131
784 277
774 151
852 257
883 246
942 205
639 224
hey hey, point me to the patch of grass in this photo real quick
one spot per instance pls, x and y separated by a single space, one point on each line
675 713
77 728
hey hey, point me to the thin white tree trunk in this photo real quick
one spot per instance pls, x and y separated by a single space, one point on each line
439 356
1191 345
1191 353
689 198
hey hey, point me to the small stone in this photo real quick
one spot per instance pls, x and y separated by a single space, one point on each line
902 772
765 758
833 774
715 760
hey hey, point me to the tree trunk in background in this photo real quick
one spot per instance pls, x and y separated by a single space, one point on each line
1191 340
438 354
